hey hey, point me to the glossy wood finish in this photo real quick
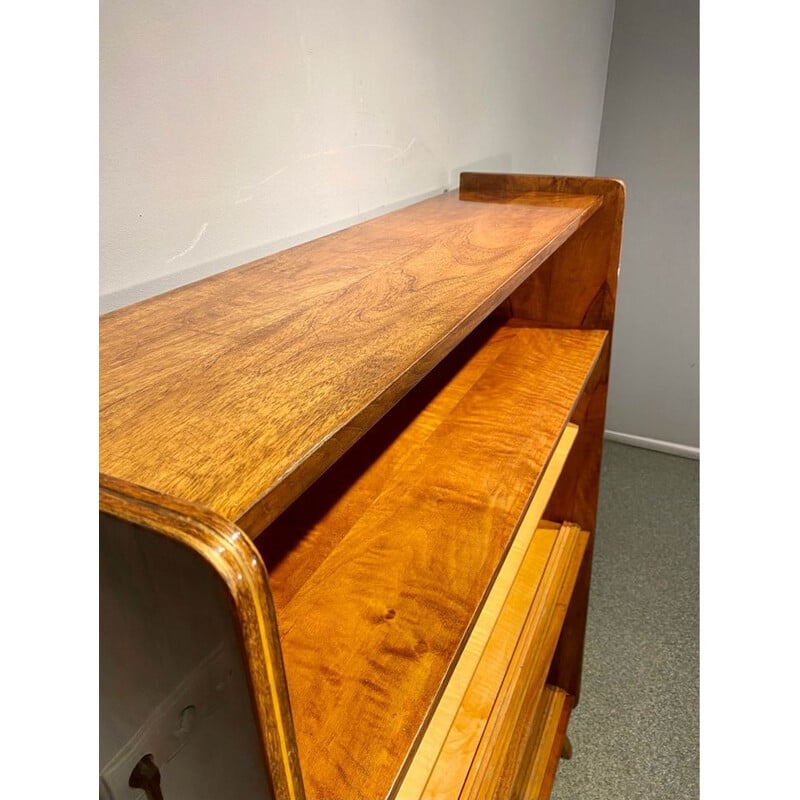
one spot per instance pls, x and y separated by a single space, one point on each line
369 354
236 392
502 749
496 766
527 551
548 733
295 545
496 688
384 616
237 563
483 751
578 493
576 287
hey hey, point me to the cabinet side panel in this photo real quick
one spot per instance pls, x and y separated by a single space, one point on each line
173 683
575 288
186 612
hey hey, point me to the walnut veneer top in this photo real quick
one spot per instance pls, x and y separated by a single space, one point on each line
238 391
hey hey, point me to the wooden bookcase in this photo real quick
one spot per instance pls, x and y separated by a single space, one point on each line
385 444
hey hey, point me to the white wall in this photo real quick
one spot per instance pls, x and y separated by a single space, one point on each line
650 139
230 130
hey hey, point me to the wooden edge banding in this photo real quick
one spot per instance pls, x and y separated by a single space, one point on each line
427 751
523 682
548 714
536 750
234 558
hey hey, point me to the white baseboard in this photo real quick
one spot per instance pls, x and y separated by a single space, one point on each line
654 444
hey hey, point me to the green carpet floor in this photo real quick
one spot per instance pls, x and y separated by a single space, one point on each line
635 731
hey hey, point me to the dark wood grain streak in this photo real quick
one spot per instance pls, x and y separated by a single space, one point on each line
237 563
238 391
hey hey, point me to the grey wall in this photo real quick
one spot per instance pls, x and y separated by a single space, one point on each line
650 139
231 130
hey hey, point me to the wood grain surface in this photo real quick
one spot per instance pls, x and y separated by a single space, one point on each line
577 494
520 573
501 755
236 394
576 288
547 734
230 554
504 692
238 391
371 634
485 746
303 536
497 760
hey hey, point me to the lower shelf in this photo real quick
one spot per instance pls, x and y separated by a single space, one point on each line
381 572
472 747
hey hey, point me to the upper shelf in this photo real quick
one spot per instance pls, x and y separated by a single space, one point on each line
238 391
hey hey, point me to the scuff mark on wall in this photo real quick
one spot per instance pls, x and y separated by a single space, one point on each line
402 152
247 192
192 245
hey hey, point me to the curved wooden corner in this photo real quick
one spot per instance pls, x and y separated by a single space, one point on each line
234 558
